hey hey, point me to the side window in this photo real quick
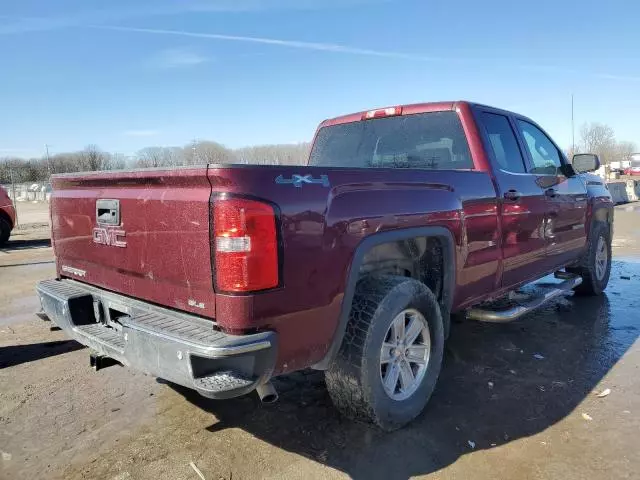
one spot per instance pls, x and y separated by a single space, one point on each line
504 143
544 154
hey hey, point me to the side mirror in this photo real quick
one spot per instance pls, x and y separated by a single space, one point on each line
585 162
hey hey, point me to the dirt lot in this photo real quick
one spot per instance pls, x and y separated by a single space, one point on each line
513 401
31 214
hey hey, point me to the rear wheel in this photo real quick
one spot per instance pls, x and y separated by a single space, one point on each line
391 355
5 230
595 267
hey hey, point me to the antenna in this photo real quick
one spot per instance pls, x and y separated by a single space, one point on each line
573 130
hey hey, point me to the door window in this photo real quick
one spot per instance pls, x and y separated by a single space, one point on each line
503 142
544 154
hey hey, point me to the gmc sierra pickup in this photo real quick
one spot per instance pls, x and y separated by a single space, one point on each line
221 277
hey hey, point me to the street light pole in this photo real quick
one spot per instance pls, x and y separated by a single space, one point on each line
573 130
13 191
46 147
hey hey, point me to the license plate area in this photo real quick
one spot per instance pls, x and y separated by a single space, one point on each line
108 211
109 313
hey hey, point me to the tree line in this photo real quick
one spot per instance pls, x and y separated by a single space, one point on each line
600 139
92 158
594 138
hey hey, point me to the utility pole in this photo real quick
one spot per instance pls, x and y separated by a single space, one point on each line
573 130
13 191
46 147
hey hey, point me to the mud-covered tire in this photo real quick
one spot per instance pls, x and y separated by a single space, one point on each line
354 379
5 230
592 283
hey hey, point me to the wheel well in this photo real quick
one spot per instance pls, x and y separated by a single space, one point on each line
603 215
424 253
421 258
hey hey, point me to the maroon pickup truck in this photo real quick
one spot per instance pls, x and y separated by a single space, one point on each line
221 277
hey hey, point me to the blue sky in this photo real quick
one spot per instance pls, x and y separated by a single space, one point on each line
128 74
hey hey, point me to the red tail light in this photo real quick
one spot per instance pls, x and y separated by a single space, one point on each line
382 112
245 245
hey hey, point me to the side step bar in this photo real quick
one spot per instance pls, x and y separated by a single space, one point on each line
504 316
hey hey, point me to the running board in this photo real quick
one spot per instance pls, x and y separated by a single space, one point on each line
504 316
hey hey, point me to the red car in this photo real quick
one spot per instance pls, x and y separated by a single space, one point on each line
7 216
220 277
633 170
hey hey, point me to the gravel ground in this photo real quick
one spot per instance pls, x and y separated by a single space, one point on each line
513 401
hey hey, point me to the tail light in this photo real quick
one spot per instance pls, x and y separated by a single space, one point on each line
382 112
245 245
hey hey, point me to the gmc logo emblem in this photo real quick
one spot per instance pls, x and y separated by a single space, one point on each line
110 237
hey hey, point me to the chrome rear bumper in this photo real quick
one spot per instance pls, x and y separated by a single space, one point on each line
178 347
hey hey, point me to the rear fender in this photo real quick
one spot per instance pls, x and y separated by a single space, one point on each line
447 240
600 203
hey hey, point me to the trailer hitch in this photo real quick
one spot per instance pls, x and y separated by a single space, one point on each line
98 362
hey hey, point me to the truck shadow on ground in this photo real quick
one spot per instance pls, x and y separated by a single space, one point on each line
13 355
499 383
25 244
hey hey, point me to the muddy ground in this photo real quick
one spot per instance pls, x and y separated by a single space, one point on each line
513 401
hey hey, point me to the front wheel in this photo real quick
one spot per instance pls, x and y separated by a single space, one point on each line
595 267
391 355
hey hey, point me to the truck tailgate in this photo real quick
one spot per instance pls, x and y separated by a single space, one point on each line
144 234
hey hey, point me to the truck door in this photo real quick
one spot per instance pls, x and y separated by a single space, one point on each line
523 205
566 196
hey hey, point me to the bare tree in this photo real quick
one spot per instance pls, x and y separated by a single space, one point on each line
210 152
174 156
116 161
286 154
93 158
150 157
598 138
160 157
624 150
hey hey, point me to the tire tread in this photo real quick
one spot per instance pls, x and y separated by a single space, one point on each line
345 377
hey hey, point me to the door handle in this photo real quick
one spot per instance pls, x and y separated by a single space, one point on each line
550 192
512 195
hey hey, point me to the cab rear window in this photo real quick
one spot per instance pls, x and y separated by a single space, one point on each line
431 141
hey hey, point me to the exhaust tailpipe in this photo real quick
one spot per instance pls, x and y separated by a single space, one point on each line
267 393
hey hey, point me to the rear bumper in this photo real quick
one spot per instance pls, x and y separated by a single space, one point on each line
178 347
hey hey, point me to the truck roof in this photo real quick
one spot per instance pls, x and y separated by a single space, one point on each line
407 109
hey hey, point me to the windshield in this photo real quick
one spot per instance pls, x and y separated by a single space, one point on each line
433 141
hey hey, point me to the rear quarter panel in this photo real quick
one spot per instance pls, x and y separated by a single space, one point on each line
322 228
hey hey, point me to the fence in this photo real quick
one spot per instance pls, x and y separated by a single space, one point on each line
31 201
28 192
